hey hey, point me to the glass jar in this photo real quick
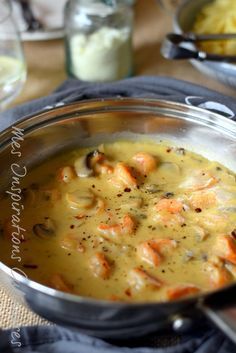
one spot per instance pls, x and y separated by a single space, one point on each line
98 39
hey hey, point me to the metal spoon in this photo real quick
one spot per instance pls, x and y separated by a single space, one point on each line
171 48
192 37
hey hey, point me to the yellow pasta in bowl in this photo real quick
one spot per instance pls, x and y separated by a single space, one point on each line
218 16
209 17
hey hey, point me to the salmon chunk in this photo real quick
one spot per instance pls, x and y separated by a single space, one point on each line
219 276
66 174
170 205
169 212
114 231
203 199
123 173
225 248
149 253
145 162
152 251
182 291
58 282
140 279
100 266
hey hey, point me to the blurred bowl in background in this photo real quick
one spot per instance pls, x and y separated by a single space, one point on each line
184 18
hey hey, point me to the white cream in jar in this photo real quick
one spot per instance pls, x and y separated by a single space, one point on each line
104 55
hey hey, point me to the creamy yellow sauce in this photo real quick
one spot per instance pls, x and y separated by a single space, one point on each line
148 222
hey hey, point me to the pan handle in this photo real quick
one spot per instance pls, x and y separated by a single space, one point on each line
220 308
224 319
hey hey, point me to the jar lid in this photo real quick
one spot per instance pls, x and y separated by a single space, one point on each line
97 8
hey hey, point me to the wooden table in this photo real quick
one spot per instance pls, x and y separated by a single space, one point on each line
46 70
46 60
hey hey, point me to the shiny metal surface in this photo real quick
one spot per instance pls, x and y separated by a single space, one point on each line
172 47
182 324
225 320
88 123
193 38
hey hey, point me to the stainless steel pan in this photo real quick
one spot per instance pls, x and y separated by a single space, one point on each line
91 122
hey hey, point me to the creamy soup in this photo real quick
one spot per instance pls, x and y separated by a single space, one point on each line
126 221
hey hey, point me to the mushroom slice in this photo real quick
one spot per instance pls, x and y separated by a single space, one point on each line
228 209
78 199
199 180
44 230
70 242
94 157
200 233
180 150
82 168
169 168
152 188
134 202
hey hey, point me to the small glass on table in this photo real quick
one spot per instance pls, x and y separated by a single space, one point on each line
12 60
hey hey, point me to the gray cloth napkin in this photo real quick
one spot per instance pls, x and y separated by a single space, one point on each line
146 86
59 340
53 339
